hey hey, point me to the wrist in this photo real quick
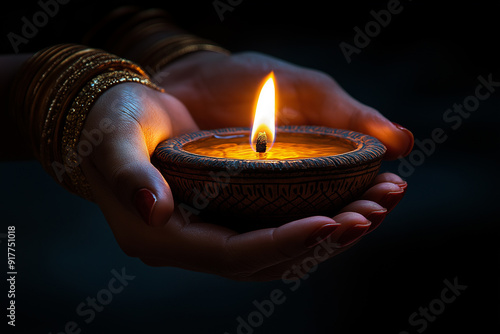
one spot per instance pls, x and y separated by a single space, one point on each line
51 97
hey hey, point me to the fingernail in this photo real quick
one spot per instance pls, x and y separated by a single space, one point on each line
409 135
376 217
352 234
403 185
321 234
144 201
392 198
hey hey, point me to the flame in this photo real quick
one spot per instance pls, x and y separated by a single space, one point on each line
265 110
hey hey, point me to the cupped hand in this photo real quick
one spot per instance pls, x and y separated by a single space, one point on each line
287 252
220 90
139 207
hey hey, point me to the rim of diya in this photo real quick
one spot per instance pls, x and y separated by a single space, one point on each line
270 191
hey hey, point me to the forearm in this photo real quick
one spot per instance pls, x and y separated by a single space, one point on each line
13 145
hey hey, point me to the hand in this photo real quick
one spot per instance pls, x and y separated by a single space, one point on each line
119 164
130 191
220 91
286 252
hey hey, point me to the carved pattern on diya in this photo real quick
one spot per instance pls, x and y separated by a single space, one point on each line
269 192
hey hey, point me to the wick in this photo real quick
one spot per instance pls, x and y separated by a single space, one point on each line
261 145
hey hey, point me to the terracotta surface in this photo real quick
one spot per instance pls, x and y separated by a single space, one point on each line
251 194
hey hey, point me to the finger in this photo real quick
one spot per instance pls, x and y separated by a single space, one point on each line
353 227
288 267
387 194
215 249
363 207
372 211
390 177
123 156
241 255
332 106
386 191
397 139
212 248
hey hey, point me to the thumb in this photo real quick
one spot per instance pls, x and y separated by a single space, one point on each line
329 104
124 165
397 139
351 114
121 162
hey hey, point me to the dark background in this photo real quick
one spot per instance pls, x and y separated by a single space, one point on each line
428 58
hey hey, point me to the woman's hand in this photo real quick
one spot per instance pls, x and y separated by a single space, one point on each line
220 91
139 206
286 252
119 166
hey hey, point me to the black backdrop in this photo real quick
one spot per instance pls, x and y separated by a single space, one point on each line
444 232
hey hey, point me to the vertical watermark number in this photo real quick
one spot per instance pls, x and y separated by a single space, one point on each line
11 275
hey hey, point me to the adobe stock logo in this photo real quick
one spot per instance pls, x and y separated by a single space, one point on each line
29 28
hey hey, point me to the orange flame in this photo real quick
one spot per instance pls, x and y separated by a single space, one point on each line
265 111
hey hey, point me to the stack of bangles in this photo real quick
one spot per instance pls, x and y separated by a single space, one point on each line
57 87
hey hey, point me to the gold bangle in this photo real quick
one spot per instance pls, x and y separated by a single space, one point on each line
71 82
51 99
27 85
75 121
60 97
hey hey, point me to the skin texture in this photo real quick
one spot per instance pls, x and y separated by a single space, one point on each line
209 90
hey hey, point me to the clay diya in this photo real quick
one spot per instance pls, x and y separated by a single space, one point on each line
267 176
